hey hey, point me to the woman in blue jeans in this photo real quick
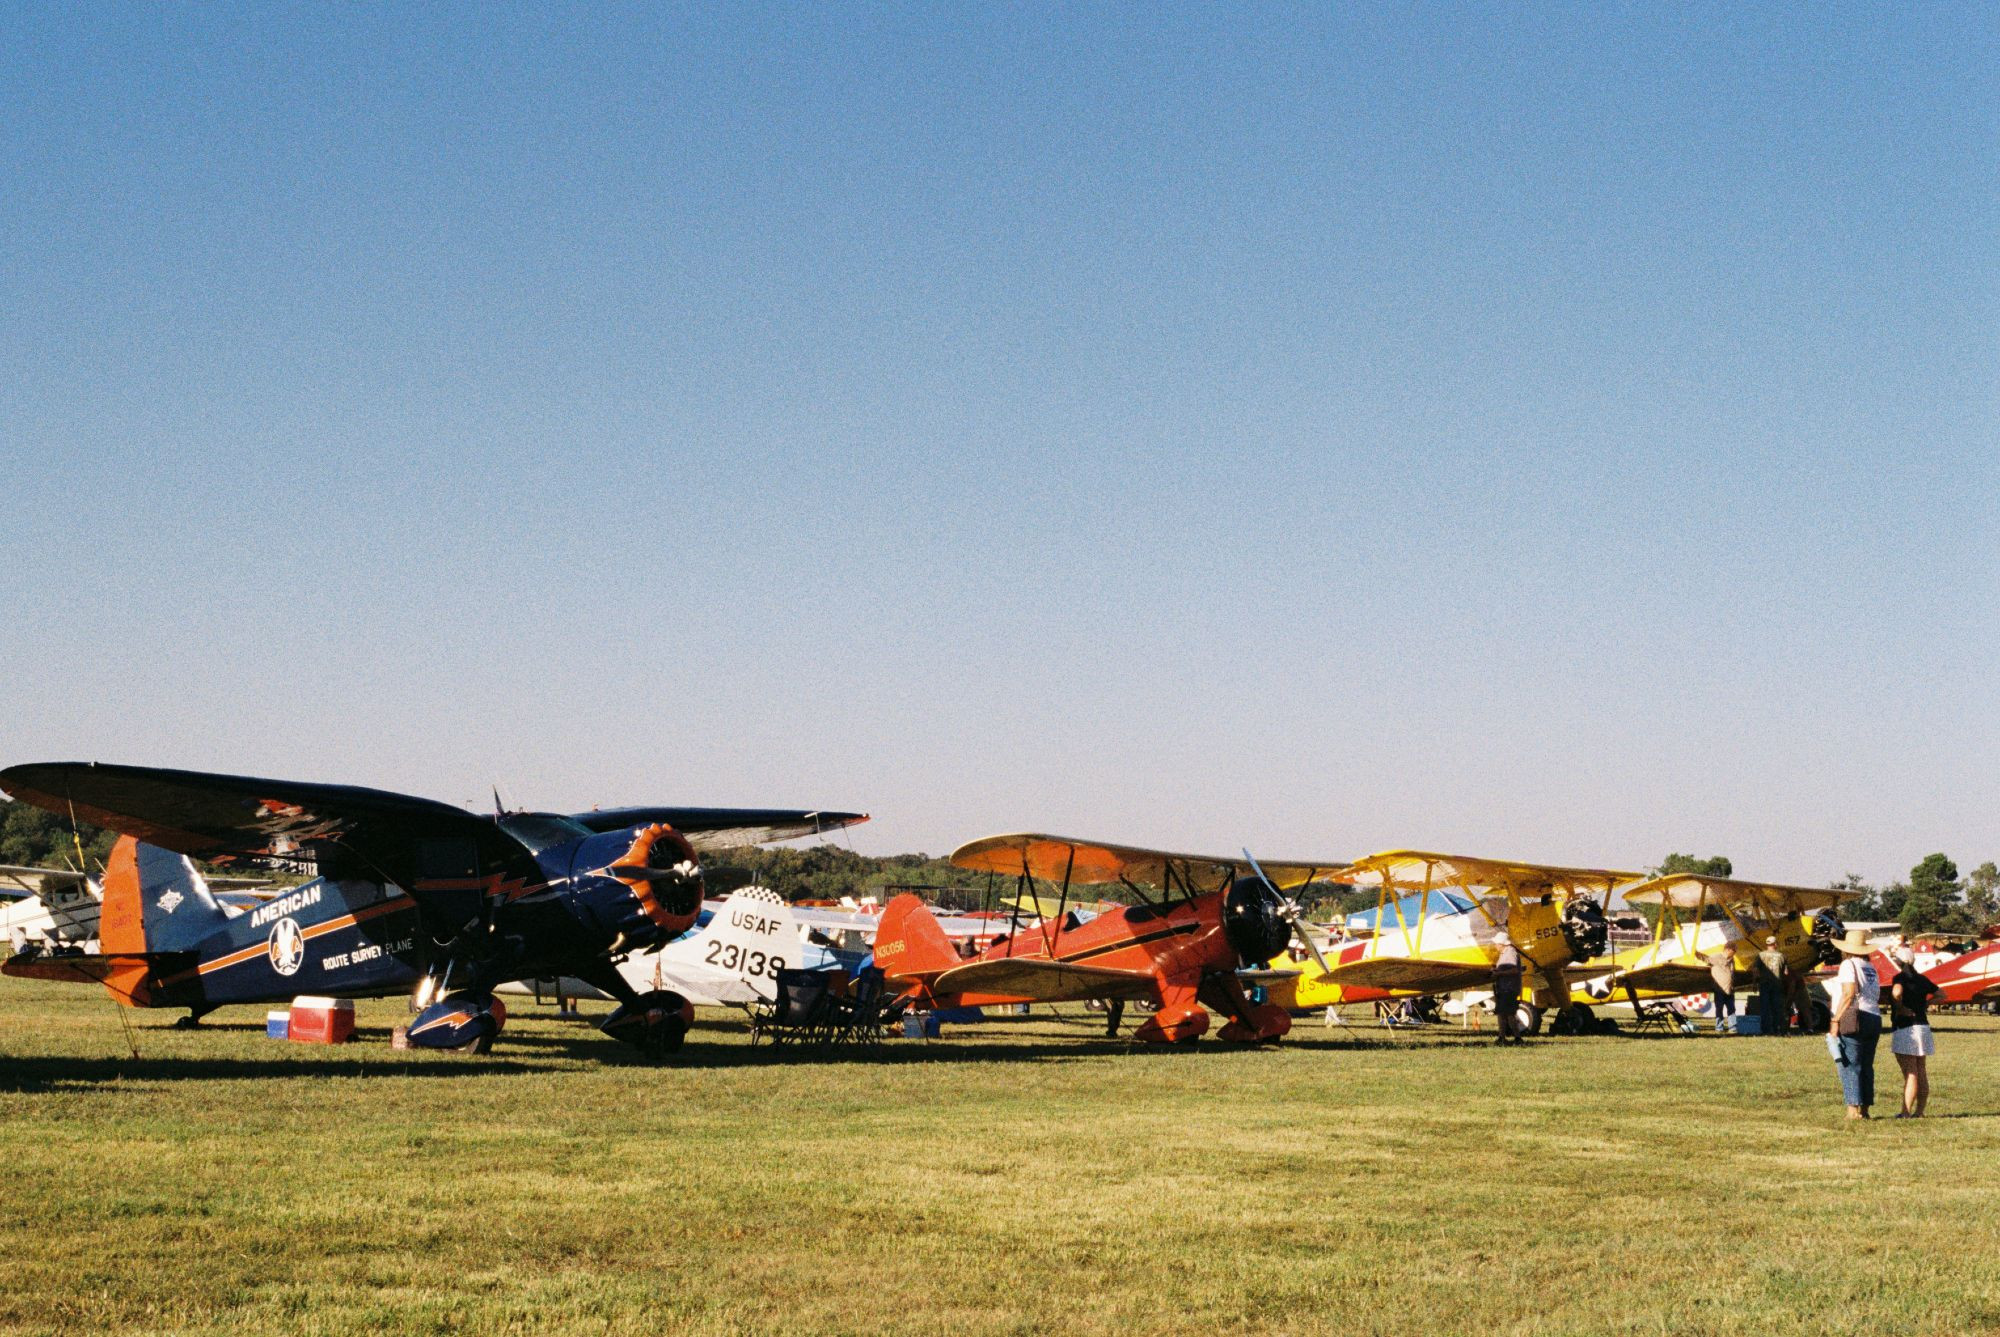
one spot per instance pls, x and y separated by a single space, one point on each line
1856 1028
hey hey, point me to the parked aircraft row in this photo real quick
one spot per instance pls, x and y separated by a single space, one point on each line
410 895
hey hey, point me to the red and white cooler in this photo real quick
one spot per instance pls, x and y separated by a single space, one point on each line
322 1021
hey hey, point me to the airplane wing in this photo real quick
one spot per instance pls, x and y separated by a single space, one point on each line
860 921
1418 870
18 881
1691 891
711 829
1041 980
1413 974
1091 863
419 844
1666 977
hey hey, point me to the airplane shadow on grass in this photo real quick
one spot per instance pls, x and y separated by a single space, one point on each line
36 1075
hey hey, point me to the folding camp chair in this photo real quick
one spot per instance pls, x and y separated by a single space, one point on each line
803 1009
859 1016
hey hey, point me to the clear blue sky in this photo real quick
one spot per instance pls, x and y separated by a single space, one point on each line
1562 434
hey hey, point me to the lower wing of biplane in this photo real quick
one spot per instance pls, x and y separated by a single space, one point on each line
1195 921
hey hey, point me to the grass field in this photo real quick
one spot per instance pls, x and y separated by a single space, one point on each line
1030 1178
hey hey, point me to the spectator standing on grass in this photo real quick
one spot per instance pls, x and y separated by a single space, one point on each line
1507 994
1771 968
1856 1027
1910 1039
1722 969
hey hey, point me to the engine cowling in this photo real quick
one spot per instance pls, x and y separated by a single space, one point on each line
1253 921
643 883
1585 928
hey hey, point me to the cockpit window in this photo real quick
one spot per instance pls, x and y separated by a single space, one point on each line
542 830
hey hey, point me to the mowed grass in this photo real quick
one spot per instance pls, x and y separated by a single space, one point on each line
1006 1179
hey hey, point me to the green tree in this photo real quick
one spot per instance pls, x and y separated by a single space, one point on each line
1934 902
1982 894
38 839
1715 865
1865 905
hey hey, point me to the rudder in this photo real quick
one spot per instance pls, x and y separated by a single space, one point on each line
154 902
909 942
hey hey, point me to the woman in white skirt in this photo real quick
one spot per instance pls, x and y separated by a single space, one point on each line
1911 1043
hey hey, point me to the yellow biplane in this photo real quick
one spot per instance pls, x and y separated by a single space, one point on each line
1554 916
1685 937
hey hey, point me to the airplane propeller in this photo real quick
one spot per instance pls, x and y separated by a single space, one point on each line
1288 909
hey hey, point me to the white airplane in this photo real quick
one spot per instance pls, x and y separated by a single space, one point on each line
732 960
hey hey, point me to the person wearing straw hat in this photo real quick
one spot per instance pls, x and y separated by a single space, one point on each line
1910 1034
1856 1028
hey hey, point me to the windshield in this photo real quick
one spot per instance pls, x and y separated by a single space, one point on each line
542 830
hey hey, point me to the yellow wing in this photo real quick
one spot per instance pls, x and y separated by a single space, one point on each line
1689 891
1416 870
1091 862
1412 974
1040 980
1666 977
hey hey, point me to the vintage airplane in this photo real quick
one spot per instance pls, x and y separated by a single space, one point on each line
1971 977
408 891
48 909
1552 915
1199 920
1802 919
730 958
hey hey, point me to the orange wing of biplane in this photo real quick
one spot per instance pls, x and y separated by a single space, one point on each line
1060 859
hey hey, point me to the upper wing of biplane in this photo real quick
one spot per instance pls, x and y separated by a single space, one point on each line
419 844
1692 891
1044 981
1421 870
1064 859
711 829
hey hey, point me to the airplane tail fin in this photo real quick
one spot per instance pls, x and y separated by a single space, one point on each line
154 902
909 942
751 937
154 906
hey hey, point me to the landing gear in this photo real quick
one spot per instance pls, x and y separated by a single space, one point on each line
654 1023
192 1021
1574 1020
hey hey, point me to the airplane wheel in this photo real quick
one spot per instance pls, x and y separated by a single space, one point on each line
664 1037
1575 1020
1530 1018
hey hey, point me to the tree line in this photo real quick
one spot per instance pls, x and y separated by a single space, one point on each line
1934 898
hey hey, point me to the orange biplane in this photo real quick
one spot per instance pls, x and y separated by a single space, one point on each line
1198 921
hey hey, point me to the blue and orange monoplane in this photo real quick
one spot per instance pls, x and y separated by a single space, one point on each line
407 893
1199 920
